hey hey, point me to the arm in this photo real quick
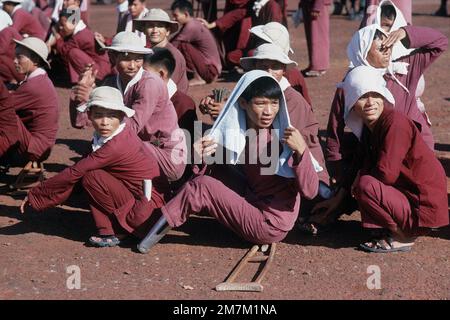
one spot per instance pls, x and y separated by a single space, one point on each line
395 138
230 18
306 177
64 47
430 44
335 127
146 101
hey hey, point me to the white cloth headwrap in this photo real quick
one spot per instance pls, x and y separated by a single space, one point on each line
359 47
358 82
399 49
230 127
257 6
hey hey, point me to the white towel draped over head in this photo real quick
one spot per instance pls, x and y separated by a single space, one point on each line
359 81
230 127
359 47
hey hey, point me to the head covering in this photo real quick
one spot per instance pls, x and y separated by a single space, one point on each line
230 126
37 46
13 1
108 98
127 41
274 32
359 47
5 20
155 15
399 49
267 51
359 81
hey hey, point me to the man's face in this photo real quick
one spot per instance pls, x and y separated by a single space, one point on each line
386 24
378 56
22 61
128 65
261 111
105 121
369 107
156 31
8 7
136 8
65 27
275 68
180 17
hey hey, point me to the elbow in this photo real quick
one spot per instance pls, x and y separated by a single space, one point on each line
312 190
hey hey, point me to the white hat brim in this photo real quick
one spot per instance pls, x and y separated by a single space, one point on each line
107 105
248 62
138 50
30 48
140 23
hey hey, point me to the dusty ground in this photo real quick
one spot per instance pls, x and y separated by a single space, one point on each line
37 249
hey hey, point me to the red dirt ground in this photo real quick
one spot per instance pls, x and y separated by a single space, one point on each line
36 249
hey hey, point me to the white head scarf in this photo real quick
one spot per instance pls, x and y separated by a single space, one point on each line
230 127
399 49
359 47
358 82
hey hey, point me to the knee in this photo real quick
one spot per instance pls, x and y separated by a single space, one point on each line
365 187
91 179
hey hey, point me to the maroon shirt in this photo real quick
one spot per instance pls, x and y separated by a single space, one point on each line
25 23
179 75
396 155
303 119
8 120
7 45
185 108
36 104
125 158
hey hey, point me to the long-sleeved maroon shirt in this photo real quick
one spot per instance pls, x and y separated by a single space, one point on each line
25 23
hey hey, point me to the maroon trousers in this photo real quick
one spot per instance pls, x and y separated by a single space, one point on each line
206 194
384 206
195 62
107 195
318 39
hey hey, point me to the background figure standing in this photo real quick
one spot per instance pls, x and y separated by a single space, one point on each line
317 30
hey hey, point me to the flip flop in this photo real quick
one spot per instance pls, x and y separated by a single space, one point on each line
383 246
105 241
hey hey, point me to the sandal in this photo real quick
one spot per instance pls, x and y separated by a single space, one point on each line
383 245
313 73
104 241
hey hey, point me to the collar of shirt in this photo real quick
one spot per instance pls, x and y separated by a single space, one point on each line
98 141
257 6
284 83
79 27
172 88
16 8
35 73
132 82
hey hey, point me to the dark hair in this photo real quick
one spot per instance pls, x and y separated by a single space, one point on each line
34 57
162 58
262 87
388 11
378 35
183 6
130 2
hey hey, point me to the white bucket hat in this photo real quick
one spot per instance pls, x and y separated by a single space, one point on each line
155 15
5 20
274 32
37 46
13 1
267 51
127 41
108 98
359 81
